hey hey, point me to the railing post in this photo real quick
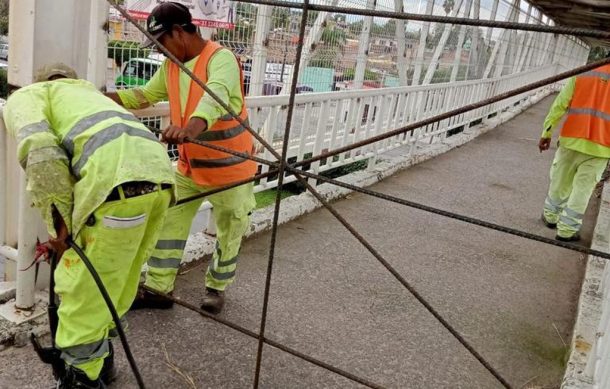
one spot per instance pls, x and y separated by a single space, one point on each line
29 219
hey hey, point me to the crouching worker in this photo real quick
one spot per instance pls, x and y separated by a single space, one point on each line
102 179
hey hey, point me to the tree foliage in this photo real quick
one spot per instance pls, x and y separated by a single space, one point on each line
598 53
4 17
123 51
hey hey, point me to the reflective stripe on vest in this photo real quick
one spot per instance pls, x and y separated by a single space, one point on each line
206 166
589 112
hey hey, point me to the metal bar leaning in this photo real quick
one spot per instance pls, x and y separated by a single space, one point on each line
278 197
270 342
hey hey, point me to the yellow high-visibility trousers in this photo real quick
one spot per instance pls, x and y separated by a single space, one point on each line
231 210
117 244
573 179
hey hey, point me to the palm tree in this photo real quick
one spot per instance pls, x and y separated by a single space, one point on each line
448 6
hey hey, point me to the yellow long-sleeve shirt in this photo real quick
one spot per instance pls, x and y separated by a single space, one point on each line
223 80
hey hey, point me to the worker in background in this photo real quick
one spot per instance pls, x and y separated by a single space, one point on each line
98 177
196 115
583 152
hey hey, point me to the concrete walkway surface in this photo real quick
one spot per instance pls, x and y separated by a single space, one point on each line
513 299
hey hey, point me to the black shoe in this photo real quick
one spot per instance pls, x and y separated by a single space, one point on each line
213 301
146 299
550 225
77 379
573 238
109 371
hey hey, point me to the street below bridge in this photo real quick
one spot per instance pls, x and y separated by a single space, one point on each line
513 299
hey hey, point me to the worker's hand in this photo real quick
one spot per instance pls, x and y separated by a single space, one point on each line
59 244
544 144
177 135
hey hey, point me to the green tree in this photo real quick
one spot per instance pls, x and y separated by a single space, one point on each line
280 17
4 7
123 51
3 84
597 53
448 6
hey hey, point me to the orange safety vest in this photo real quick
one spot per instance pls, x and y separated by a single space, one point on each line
206 166
589 112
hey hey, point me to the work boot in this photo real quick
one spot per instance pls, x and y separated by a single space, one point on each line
77 379
109 371
573 238
213 301
547 223
146 299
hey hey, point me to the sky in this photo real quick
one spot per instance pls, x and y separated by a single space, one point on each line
419 6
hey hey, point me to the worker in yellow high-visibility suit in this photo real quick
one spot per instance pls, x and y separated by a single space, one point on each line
102 178
196 115
583 152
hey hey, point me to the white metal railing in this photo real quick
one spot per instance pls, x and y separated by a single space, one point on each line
322 121
326 121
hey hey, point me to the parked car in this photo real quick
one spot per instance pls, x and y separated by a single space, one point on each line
4 51
137 71
271 88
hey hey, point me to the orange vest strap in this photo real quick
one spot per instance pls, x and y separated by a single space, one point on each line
195 91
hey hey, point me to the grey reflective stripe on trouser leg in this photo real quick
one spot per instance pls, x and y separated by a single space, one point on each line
164 263
552 205
113 333
572 223
229 262
573 214
220 276
91 120
106 136
171 245
79 354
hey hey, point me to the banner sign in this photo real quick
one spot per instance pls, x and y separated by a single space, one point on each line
206 13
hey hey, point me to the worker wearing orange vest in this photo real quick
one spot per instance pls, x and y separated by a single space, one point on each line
196 115
583 152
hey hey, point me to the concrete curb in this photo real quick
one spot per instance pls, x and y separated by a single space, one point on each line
589 314
201 245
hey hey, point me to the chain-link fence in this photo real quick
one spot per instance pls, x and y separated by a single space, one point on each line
430 52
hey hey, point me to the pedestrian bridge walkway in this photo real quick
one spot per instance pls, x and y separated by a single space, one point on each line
515 300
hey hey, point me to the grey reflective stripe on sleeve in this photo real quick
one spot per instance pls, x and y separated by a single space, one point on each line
31 129
212 163
589 111
106 136
43 154
79 354
90 121
171 244
593 73
164 263
573 214
221 276
226 117
210 136
229 262
570 222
